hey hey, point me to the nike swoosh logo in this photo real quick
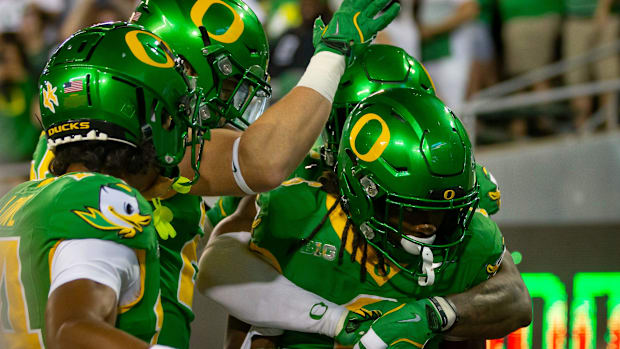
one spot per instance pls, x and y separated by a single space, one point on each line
417 318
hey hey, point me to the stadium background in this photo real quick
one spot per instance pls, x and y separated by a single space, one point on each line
558 170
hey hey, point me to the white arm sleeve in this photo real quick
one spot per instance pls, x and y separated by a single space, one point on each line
254 292
106 262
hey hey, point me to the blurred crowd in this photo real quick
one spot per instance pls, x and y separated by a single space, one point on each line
466 46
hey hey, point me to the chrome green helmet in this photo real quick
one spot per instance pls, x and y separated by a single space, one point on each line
405 158
118 82
225 45
377 68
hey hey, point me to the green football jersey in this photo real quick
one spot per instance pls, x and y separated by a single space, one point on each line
224 207
179 267
178 256
293 210
37 215
41 158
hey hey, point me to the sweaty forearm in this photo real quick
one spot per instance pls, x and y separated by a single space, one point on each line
272 147
494 308
270 150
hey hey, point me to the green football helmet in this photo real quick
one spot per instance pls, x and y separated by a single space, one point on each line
119 82
377 68
403 155
226 48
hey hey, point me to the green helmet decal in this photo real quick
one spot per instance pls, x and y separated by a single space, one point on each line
404 154
377 68
225 47
118 82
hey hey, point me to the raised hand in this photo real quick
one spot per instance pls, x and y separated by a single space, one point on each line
356 22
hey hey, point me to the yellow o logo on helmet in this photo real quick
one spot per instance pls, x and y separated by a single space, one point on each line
449 194
233 32
380 144
139 51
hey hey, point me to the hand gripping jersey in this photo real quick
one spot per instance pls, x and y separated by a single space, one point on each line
290 213
178 257
36 216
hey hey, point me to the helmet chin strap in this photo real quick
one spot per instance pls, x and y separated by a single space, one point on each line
428 267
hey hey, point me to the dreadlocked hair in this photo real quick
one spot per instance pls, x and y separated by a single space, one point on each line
111 158
329 183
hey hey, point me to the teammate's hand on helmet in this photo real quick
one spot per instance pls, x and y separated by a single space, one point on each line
410 325
355 22
358 320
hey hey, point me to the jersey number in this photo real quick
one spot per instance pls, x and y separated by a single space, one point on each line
14 319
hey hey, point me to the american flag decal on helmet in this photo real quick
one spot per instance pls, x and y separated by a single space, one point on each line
72 86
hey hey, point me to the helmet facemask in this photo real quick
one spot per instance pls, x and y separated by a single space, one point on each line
406 177
226 45
408 227
243 93
391 220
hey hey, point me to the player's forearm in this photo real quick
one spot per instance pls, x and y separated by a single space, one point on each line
268 151
276 143
495 307
274 146
257 294
92 334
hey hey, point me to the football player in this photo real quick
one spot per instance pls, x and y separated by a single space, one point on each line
395 225
224 49
376 68
227 51
80 257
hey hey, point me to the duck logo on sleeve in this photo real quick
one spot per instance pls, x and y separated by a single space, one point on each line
118 210
493 268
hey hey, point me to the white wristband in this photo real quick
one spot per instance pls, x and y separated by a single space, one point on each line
159 346
323 73
236 169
